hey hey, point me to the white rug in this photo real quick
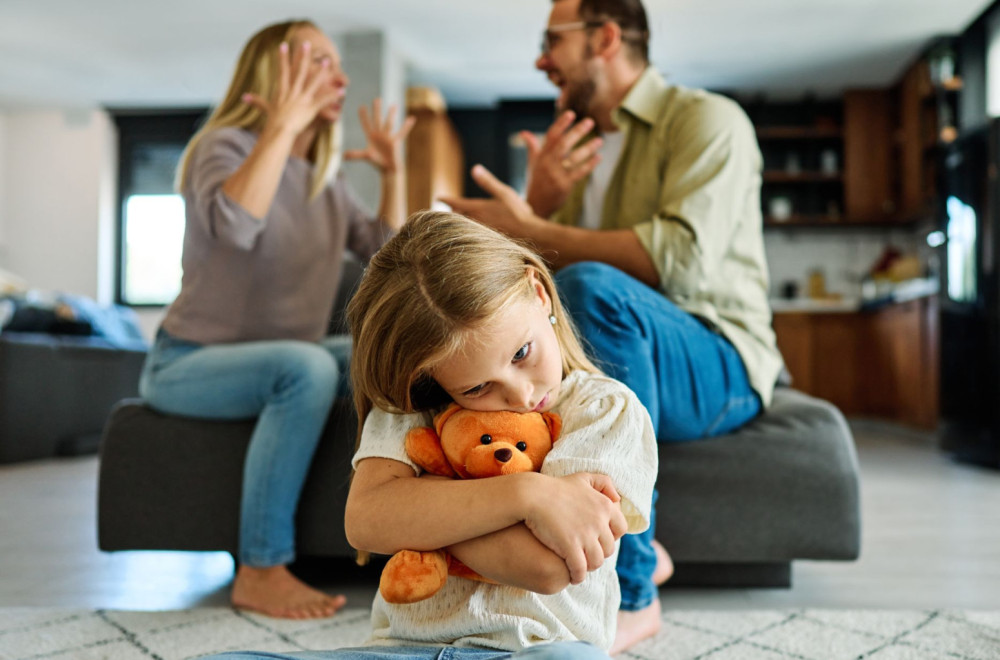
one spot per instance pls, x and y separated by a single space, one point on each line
52 634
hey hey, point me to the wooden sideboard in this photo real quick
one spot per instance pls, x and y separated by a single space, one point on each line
880 363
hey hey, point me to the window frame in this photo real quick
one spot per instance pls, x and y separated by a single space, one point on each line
138 128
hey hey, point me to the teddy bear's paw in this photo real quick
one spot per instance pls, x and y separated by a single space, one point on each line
410 576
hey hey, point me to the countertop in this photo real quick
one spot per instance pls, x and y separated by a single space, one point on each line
901 292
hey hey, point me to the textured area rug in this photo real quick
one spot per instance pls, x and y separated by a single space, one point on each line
51 634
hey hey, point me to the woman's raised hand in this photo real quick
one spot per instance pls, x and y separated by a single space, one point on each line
385 147
301 91
578 517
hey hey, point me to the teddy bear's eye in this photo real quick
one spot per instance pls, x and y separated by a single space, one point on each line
521 445
486 439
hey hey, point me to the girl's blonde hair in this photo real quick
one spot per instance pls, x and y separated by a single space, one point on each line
257 73
440 277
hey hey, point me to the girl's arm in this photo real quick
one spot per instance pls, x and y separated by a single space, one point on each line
389 509
515 557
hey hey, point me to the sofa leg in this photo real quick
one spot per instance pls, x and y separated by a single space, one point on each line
768 575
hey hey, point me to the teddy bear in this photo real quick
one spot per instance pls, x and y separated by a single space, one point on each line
465 444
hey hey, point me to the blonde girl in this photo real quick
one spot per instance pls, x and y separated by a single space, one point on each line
450 310
267 223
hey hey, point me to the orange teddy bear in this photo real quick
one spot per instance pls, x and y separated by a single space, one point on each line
465 444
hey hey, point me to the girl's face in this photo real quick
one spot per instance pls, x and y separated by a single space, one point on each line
514 363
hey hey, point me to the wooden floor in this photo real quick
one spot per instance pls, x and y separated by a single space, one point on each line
931 538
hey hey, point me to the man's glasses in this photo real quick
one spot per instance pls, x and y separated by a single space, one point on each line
552 33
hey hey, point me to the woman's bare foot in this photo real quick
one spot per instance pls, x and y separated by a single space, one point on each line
274 591
664 565
633 627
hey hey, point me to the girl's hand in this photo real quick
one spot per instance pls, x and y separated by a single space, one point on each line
385 148
301 92
578 517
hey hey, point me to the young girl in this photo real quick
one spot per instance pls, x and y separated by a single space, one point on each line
450 310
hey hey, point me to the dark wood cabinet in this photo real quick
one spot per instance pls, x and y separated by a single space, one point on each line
868 187
881 363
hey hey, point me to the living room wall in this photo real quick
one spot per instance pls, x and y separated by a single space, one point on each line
57 172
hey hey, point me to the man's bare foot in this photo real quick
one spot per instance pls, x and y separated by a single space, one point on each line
633 627
664 565
274 591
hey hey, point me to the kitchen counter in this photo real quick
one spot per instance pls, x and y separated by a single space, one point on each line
900 292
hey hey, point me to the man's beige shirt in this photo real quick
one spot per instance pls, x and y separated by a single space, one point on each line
688 184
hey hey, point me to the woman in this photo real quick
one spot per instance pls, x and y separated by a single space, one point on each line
268 221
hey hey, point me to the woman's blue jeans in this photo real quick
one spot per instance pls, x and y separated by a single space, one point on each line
689 377
553 651
288 386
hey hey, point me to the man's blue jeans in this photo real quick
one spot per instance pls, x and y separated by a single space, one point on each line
689 377
289 386
553 651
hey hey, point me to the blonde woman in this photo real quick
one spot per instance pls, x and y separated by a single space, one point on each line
268 221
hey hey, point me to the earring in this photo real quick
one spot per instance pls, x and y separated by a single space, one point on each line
552 319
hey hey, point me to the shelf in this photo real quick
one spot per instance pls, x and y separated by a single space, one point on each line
778 176
798 133
803 220
811 221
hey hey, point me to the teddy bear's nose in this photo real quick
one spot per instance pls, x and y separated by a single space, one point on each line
503 455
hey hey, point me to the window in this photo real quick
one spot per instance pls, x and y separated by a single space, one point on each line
151 213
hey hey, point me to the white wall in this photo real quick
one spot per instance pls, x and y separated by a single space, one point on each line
375 70
3 188
57 173
843 255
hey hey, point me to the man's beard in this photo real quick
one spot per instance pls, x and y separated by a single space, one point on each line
579 96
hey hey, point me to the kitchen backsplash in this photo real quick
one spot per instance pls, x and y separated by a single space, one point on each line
843 255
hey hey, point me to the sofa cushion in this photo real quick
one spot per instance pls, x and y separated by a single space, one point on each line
783 487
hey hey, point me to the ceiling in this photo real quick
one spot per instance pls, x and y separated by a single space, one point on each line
172 53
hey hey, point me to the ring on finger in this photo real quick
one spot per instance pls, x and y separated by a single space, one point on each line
567 164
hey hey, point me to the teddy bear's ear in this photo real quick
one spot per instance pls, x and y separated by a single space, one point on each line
554 422
443 416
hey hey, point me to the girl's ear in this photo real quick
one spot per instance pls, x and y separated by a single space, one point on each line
539 288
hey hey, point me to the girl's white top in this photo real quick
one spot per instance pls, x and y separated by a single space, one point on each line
605 430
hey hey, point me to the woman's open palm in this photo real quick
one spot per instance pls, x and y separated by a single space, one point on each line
385 147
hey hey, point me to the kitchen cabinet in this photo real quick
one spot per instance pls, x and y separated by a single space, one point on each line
881 363
868 181
802 147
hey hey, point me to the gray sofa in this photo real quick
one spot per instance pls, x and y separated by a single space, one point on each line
733 511
56 392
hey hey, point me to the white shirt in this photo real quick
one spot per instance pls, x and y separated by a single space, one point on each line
600 178
605 430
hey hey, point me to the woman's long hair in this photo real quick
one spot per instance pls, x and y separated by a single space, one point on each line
440 277
257 73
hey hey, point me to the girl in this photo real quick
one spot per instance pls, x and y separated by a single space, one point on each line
450 310
268 221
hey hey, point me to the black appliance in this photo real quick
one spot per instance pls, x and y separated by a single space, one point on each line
970 297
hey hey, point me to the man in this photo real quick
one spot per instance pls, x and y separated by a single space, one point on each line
655 224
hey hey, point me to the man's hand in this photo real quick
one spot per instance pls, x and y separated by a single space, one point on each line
505 212
555 165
